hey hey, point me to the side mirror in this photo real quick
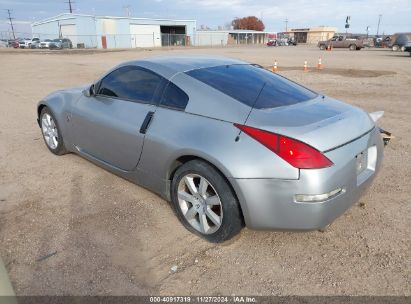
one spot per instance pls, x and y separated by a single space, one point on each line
90 91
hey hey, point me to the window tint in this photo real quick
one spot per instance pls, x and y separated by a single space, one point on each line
131 83
253 86
174 97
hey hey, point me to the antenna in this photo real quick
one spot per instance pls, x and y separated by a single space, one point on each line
11 23
286 24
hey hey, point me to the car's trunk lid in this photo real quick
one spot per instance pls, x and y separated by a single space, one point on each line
323 123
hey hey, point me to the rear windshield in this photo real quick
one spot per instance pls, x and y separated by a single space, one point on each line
253 86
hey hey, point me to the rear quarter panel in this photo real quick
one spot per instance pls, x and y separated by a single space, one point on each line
173 134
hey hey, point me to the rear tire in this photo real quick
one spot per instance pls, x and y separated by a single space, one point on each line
352 47
395 48
210 211
51 132
322 47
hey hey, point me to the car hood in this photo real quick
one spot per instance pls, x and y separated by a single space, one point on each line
323 123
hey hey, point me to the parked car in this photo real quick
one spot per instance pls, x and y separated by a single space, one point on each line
292 41
14 43
342 41
61 44
398 40
407 47
35 43
380 42
227 142
45 44
281 42
26 42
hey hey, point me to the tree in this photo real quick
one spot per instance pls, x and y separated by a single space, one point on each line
248 23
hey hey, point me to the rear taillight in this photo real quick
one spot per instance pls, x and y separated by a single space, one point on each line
295 152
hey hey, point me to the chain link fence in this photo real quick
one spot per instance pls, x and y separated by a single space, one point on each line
119 41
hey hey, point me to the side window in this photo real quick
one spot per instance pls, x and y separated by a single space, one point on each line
130 83
174 97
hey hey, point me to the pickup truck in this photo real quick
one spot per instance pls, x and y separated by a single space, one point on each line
342 41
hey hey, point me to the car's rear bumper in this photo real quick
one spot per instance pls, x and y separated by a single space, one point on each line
270 203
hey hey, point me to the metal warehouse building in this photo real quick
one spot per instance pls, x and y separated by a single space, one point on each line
88 31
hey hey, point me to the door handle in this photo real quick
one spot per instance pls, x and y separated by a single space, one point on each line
146 122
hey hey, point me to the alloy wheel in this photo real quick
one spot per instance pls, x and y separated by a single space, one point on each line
50 132
200 203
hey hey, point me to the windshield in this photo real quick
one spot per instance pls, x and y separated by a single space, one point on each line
253 85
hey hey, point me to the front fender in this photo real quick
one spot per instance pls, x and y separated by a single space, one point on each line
59 103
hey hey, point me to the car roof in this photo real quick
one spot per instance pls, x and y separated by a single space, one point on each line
168 66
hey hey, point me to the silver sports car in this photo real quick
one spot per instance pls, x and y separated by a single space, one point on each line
227 142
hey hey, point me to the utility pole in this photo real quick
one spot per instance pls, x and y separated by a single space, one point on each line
286 25
378 26
127 10
70 2
11 23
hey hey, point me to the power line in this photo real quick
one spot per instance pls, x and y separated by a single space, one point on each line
11 23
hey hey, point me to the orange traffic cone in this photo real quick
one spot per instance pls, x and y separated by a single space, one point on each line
275 68
305 66
319 65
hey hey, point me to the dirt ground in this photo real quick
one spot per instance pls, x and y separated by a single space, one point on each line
107 236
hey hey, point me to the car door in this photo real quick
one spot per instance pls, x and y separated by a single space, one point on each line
333 41
110 126
340 42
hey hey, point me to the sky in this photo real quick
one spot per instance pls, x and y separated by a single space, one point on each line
396 14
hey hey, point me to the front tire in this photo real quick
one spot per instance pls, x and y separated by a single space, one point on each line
353 47
51 132
395 48
205 203
322 47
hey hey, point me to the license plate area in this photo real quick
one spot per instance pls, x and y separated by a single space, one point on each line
365 164
361 162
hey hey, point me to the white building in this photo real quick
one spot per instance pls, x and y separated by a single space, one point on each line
116 32
230 37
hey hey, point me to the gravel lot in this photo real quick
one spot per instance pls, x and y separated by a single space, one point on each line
107 236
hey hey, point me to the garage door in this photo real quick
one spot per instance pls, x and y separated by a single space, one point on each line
145 35
69 31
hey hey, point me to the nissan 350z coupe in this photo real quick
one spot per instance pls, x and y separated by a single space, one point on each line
227 142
